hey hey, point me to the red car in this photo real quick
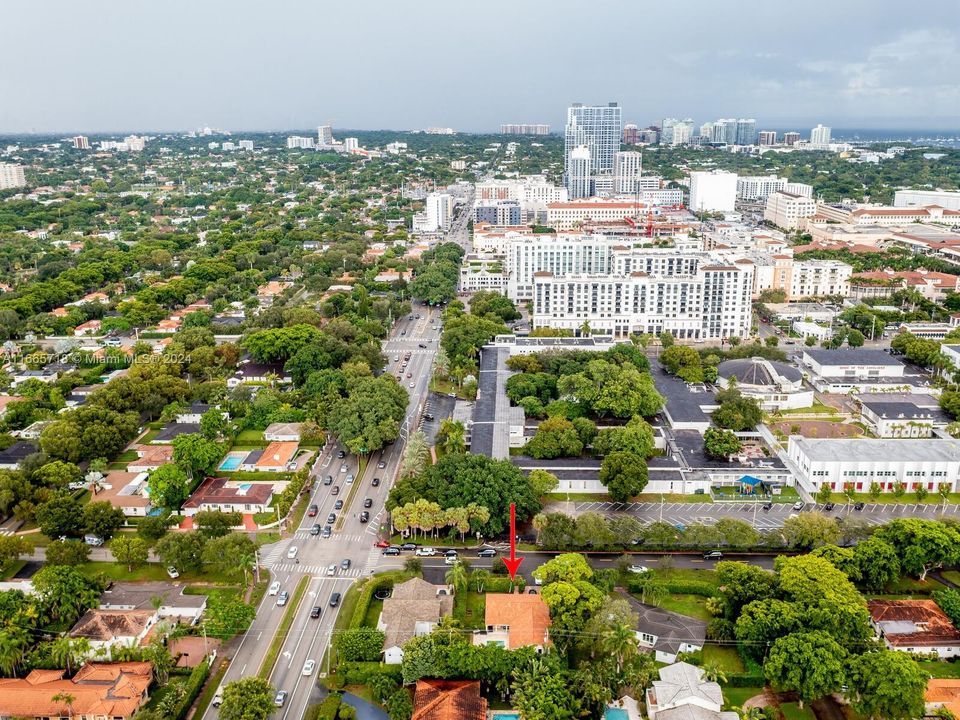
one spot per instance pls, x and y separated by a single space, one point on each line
381 544
312 512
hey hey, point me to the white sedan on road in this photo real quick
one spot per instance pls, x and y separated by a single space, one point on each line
308 667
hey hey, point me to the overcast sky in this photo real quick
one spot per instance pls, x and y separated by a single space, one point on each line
102 65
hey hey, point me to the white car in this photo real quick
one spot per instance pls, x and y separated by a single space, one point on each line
426 552
274 588
308 667
331 570
638 569
343 468
172 573
292 552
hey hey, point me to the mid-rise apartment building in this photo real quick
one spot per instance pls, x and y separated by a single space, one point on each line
791 138
758 187
788 210
570 215
81 142
820 278
524 129
714 191
11 176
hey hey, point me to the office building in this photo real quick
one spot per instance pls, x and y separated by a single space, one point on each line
758 187
598 128
524 129
325 135
498 212
714 191
303 143
801 189
627 169
676 132
578 171
631 134
820 136
351 144
791 138
81 142
573 214
787 210
439 210
920 198
746 132
767 137
245 144
11 176
135 143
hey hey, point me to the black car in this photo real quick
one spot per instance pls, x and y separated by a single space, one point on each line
368 503
451 553
315 530
767 505
409 546
328 480
341 455
338 505
334 599
331 518
487 552
391 550
364 516
713 555
316 612
422 345
829 506
428 417
858 506
376 482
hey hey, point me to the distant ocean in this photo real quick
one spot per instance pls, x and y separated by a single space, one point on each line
943 138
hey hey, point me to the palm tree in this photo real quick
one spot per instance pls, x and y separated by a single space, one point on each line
66 651
480 577
714 673
621 642
539 522
67 699
13 647
457 577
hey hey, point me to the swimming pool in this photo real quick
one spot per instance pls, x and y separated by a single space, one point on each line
231 461
506 716
616 714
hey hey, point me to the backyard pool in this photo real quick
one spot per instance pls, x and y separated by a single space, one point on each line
232 461
506 716
616 714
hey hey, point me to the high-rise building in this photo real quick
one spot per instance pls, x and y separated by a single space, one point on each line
228 146
245 144
303 143
768 137
627 169
11 176
746 133
791 138
325 135
706 132
649 135
758 187
676 132
713 191
631 134
579 164
820 135
350 144
599 128
524 129
725 131
81 142
439 210
135 143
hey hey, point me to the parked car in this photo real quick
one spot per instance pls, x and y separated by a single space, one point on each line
308 667
292 552
315 530
391 550
487 552
409 546
335 599
274 587
312 511
858 506
280 699
94 540
428 417
364 516
798 505
368 503
450 553
282 598
316 612
638 569
376 482
712 555
381 544
767 505
338 504
172 573
829 506
218 697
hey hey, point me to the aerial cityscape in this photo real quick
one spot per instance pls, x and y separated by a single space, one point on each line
335 386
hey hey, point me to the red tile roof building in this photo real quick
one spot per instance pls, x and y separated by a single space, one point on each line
448 700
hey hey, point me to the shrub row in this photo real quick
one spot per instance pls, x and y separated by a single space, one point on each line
360 673
690 587
192 687
379 582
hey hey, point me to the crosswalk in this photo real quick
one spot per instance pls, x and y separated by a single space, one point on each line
319 571
305 535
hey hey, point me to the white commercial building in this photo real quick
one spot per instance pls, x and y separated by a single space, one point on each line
570 215
837 463
758 187
439 210
324 135
820 136
921 198
245 144
578 173
11 176
351 144
714 191
303 143
787 210
627 170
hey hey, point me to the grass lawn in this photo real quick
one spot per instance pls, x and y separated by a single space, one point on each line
724 657
577 497
11 569
818 408
154 571
268 537
250 437
737 696
472 603
952 575
692 605
652 498
911 586
940 668
373 613
348 606
792 711
682 574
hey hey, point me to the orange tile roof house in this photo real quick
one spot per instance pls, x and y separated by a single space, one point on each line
100 690
127 491
515 620
150 457
915 626
943 693
277 457
229 496
448 700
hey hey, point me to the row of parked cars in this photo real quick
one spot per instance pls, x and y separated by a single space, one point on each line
421 551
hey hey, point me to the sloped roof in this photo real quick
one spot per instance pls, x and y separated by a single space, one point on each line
527 616
682 683
448 700
412 602
107 625
912 623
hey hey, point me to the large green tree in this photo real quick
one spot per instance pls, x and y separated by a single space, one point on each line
169 487
250 698
812 664
887 684
370 415
624 474
555 437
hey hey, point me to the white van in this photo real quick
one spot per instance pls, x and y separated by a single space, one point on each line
218 697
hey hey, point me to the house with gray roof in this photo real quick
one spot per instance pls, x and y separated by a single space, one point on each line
414 608
666 633
682 693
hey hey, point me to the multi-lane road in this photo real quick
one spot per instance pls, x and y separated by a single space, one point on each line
309 638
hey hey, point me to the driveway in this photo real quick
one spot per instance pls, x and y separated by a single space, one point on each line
365 710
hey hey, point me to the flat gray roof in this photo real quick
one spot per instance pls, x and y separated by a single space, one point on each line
851 356
860 449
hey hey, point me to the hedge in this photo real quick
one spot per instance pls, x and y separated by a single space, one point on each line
360 673
377 582
192 688
327 710
503 584
746 680
691 587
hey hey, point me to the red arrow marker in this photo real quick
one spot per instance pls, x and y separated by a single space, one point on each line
513 563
